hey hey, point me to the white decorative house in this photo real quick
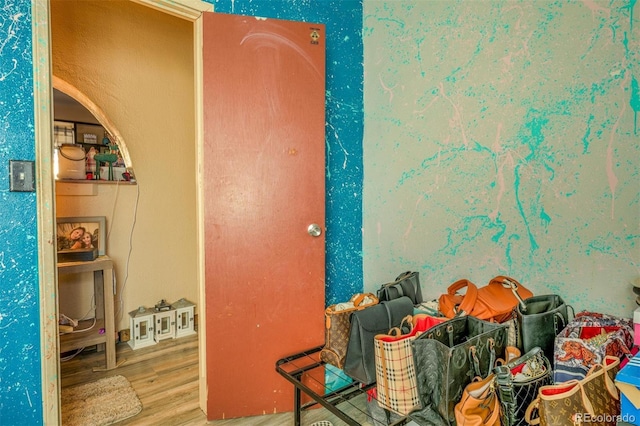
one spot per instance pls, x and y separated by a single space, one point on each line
185 317
141 323
165 327
151 325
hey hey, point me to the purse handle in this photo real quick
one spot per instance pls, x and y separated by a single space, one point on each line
407 320
469 299
534 405
358 299
607 363
513 284
403 275
395 332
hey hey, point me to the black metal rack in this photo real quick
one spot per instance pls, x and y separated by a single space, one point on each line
295 367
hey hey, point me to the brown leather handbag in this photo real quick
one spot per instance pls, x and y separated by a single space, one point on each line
592 400
494 302
479 405
338 325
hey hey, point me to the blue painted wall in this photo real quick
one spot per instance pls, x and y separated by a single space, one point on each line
344 127
20 375
501 137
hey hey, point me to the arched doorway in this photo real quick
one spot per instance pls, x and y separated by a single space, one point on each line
43 82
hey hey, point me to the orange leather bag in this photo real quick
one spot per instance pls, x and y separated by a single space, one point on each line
479 405
493 302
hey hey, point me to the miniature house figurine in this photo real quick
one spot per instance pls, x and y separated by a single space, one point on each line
185 312
141 323
165 321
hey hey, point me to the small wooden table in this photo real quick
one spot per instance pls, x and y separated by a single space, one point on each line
103 333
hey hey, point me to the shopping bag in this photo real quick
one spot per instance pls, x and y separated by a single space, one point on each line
447 358
396 385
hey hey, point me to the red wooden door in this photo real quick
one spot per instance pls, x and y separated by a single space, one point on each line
264 162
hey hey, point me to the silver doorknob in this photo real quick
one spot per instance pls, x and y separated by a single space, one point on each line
314 230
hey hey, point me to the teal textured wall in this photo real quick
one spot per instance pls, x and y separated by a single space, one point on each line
502 138
20 376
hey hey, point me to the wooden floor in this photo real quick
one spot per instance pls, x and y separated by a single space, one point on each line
165 377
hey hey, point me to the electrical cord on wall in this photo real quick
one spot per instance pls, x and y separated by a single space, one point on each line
118 314
113 209
91 309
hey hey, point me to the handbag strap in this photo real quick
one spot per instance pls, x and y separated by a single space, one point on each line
534 405
408 320
495 412
514 285
382 360
403 275
475 362
605 366
573 312
395 332
357 299
469 299
558 318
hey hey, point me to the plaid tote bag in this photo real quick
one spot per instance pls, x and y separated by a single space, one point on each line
396 385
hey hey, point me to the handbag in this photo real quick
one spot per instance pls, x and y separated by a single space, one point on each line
585 342
359 363
593 400
599 386
395 370
540 319
493 302
406 284
518 382
479 405
447 358
337 320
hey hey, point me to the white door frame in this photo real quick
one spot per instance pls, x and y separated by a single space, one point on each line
190 10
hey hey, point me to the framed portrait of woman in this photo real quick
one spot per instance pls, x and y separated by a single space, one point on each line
74 233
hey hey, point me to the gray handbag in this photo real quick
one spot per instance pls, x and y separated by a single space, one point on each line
540 319
405 284
447 358
359 362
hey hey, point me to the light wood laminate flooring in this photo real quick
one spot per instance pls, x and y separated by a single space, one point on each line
165 377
